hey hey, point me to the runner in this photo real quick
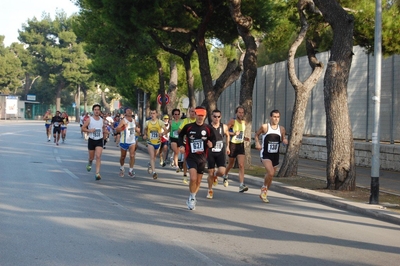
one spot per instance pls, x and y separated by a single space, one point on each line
236 146
127 128
175 124
199 138
96 128
153 131
272 135
187 120
47 118
64 125
164 142
217 155
57 121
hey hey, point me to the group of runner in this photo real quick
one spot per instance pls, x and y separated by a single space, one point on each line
56 125
203 145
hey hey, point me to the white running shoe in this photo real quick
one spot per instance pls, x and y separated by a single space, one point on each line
191 203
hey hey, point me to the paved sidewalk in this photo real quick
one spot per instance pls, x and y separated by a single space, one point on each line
389 182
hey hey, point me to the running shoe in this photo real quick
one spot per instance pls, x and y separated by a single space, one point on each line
184 180
89 167
131 174
215 183
57 143
149 169
155 175
163 164
226 182
191 203
48 140
121 172
177 169
243 188
97 176
263 195
210 194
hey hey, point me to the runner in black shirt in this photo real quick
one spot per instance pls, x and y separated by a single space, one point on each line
57 121
199 138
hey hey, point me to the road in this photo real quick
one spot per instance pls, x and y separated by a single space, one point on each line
53 212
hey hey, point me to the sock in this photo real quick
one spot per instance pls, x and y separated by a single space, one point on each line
193 195
130 169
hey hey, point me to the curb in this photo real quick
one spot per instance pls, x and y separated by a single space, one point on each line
373 211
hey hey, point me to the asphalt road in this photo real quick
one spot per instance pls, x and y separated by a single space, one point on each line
53 212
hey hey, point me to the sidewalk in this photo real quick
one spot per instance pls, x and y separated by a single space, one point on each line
389 182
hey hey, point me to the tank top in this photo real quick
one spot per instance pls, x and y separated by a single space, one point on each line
153 131
128 135
238 126
219 137
174 128
98 125
270 141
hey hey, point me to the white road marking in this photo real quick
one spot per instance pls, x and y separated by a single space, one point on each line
196 253
112 202
70 174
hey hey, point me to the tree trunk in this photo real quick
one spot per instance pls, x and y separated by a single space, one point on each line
161 91
244 26
173 87
60 87
341 171
189 79
78 104
302 94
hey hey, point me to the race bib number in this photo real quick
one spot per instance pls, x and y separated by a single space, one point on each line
175 134
197 146
56 124
131 131
154 135
240 136
96 133
273 147
218 146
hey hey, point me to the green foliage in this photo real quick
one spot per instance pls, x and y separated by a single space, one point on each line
11 73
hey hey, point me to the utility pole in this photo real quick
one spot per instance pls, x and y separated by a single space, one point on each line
376 136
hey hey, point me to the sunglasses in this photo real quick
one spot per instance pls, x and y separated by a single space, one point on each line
216 116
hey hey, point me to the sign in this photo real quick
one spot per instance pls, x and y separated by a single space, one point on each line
12 105
31 97
166 99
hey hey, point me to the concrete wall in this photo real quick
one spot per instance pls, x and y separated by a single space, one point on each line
315 148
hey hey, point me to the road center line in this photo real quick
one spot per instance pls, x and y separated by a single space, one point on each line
196 253
70 174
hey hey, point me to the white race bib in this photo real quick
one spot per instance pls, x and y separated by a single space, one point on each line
273 147
218 146
239 136
175 134
96 133
197 146
154 135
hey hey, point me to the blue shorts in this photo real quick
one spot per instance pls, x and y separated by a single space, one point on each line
125 146
47 125
156 146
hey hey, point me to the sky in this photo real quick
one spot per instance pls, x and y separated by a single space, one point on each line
13 13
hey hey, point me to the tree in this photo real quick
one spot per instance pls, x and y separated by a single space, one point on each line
56 53
11 73
302 91
341 171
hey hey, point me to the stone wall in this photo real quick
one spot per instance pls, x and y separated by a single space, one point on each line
315 148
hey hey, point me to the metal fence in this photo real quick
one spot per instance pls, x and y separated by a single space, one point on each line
272 90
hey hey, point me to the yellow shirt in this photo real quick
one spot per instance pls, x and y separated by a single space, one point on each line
186 121
238 126
154 130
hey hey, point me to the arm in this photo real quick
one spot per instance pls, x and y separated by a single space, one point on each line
228 138
261 130
85 127
145 131
120 127
283 136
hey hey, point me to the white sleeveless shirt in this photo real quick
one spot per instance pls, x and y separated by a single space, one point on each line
98 125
